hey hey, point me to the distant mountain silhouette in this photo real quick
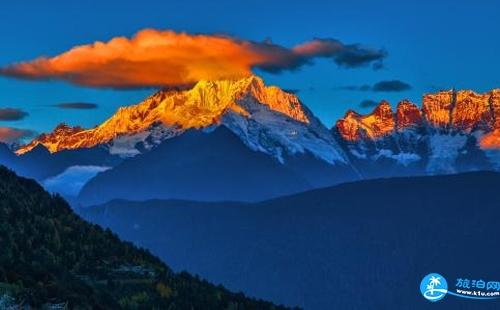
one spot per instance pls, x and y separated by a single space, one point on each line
363 245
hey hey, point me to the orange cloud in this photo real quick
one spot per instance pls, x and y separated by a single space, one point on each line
14 135
155 58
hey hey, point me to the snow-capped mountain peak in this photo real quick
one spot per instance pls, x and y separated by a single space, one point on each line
266 118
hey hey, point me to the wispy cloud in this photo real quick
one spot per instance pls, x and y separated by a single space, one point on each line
368 103
155 58
382 86
345 55
292 90
11 114
76 105
391 86
355 88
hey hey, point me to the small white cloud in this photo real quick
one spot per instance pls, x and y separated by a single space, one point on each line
71 180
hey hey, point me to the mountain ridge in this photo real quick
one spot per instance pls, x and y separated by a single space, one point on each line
201 106
463 110
266 118
311 244
453 131
168 113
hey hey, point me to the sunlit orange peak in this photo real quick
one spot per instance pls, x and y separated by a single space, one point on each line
201 106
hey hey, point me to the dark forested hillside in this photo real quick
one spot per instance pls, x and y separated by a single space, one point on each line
49 256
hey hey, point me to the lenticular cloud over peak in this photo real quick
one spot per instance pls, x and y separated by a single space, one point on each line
154 58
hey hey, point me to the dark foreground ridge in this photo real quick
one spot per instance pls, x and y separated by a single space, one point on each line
50 256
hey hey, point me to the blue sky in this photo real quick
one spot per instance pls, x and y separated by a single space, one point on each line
430 44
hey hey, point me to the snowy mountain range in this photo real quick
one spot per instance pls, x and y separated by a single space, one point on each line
454 131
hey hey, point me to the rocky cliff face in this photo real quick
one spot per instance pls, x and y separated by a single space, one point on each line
452 126
377 124
461 111
471 112
408 115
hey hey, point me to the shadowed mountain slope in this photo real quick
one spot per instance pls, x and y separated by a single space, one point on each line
198 166
363 245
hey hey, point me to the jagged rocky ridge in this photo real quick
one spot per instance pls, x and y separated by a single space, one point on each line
453 131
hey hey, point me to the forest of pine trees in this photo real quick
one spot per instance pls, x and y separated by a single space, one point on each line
51 257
